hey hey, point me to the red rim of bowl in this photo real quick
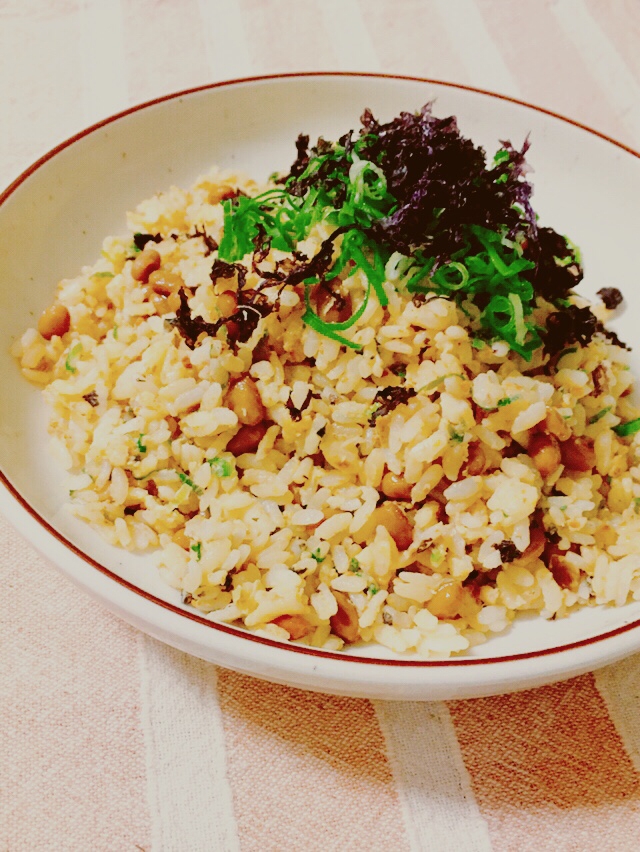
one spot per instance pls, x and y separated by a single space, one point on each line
240 632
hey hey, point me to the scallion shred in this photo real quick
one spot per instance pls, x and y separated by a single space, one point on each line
73 353
600 414
185 479
437 382
624 430
222 468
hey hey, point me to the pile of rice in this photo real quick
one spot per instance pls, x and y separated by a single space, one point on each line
289 540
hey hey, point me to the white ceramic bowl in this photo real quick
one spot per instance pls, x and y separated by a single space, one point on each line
52 221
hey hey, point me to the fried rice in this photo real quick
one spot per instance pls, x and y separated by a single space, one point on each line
278 493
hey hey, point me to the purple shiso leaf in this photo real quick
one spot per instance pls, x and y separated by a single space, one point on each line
441 182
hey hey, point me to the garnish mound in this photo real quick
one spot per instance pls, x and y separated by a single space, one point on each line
416 195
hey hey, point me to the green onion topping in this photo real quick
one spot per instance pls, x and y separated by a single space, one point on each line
75 350
354 565
628 428
221 467
184 478
409 216
506 400
599 415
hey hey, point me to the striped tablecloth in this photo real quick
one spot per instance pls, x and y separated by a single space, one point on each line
111 741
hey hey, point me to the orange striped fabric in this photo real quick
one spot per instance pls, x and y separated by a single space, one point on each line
549 769
72 758
110 741
303 783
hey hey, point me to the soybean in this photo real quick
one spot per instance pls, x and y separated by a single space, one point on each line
247 439
244 399
578 454
144 264
446 601
393 519
345 622
164 282
545 453
54 322
395 487
296 626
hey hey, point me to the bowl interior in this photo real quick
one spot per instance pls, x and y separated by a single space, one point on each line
54 218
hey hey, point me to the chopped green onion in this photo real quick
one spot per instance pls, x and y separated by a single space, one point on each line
397 266
518 318
146 475
436 556
567 351
331 329
628 428
371 410
141 447
241 215
451 276
184 478
362 187
221 467
75 350
197 549
436 382
599 415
